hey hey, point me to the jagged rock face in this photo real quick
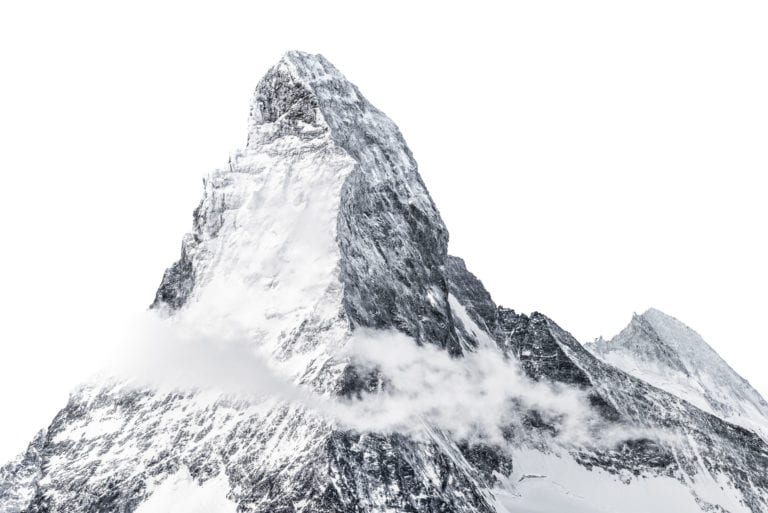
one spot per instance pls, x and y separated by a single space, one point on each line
669 355
471 293
18 477
318 228
547 352
275 457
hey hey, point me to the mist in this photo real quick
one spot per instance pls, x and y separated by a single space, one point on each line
477 397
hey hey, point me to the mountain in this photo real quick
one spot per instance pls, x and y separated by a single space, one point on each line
318 234
666 353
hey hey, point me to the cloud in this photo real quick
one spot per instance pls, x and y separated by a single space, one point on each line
479 396
161 353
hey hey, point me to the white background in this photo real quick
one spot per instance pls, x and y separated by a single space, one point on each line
590 158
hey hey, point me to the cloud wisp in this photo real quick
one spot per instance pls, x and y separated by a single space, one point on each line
479 396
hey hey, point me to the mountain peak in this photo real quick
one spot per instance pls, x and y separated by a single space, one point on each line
287 92
674 333
663 351
639 338
656 316
307 66
655 311
322 222
300 58
304 95
654 331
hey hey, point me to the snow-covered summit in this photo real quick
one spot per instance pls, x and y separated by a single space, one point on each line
668 354
304 91
321 224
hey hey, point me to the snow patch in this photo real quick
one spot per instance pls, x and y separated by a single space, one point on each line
562 485
179 493
458 310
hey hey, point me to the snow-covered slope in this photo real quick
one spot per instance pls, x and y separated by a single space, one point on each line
668 354
553 483
319 232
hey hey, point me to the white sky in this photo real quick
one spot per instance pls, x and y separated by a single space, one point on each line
590 158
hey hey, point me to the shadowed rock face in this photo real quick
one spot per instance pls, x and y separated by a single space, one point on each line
319 228
178 282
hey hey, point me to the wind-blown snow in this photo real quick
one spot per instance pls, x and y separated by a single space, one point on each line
269 260
469 325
